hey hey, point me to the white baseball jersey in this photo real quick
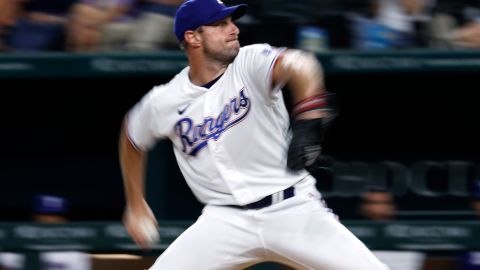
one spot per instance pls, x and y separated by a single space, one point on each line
230 140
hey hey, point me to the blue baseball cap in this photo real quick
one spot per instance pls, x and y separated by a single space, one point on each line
49 204
195 13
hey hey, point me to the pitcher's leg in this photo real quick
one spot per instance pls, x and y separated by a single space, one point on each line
312 238
221 239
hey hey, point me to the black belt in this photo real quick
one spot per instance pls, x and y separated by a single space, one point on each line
267 201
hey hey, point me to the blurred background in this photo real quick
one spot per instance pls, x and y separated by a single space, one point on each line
401 161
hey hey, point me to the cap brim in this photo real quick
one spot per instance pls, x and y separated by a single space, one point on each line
235 11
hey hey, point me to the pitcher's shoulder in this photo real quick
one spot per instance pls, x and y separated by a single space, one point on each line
257 48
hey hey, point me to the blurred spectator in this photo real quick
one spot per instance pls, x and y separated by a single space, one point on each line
9 10
312 38
49 209
456 24
476 195
53 209
154 26
41 27
118 25
12 261
406 16
471 260
99 24
468 35
393 24
379 205
64 260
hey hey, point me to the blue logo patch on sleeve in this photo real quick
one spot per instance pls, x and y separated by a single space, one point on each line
267 51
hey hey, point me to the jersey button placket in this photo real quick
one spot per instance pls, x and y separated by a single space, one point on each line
223 163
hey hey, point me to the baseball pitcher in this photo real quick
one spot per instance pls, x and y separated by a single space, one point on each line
240 151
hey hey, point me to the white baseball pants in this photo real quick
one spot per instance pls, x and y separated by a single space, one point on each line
299 232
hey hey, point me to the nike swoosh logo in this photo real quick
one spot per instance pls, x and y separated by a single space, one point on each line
181 110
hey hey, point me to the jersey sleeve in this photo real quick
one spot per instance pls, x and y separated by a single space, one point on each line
143 121
257 64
